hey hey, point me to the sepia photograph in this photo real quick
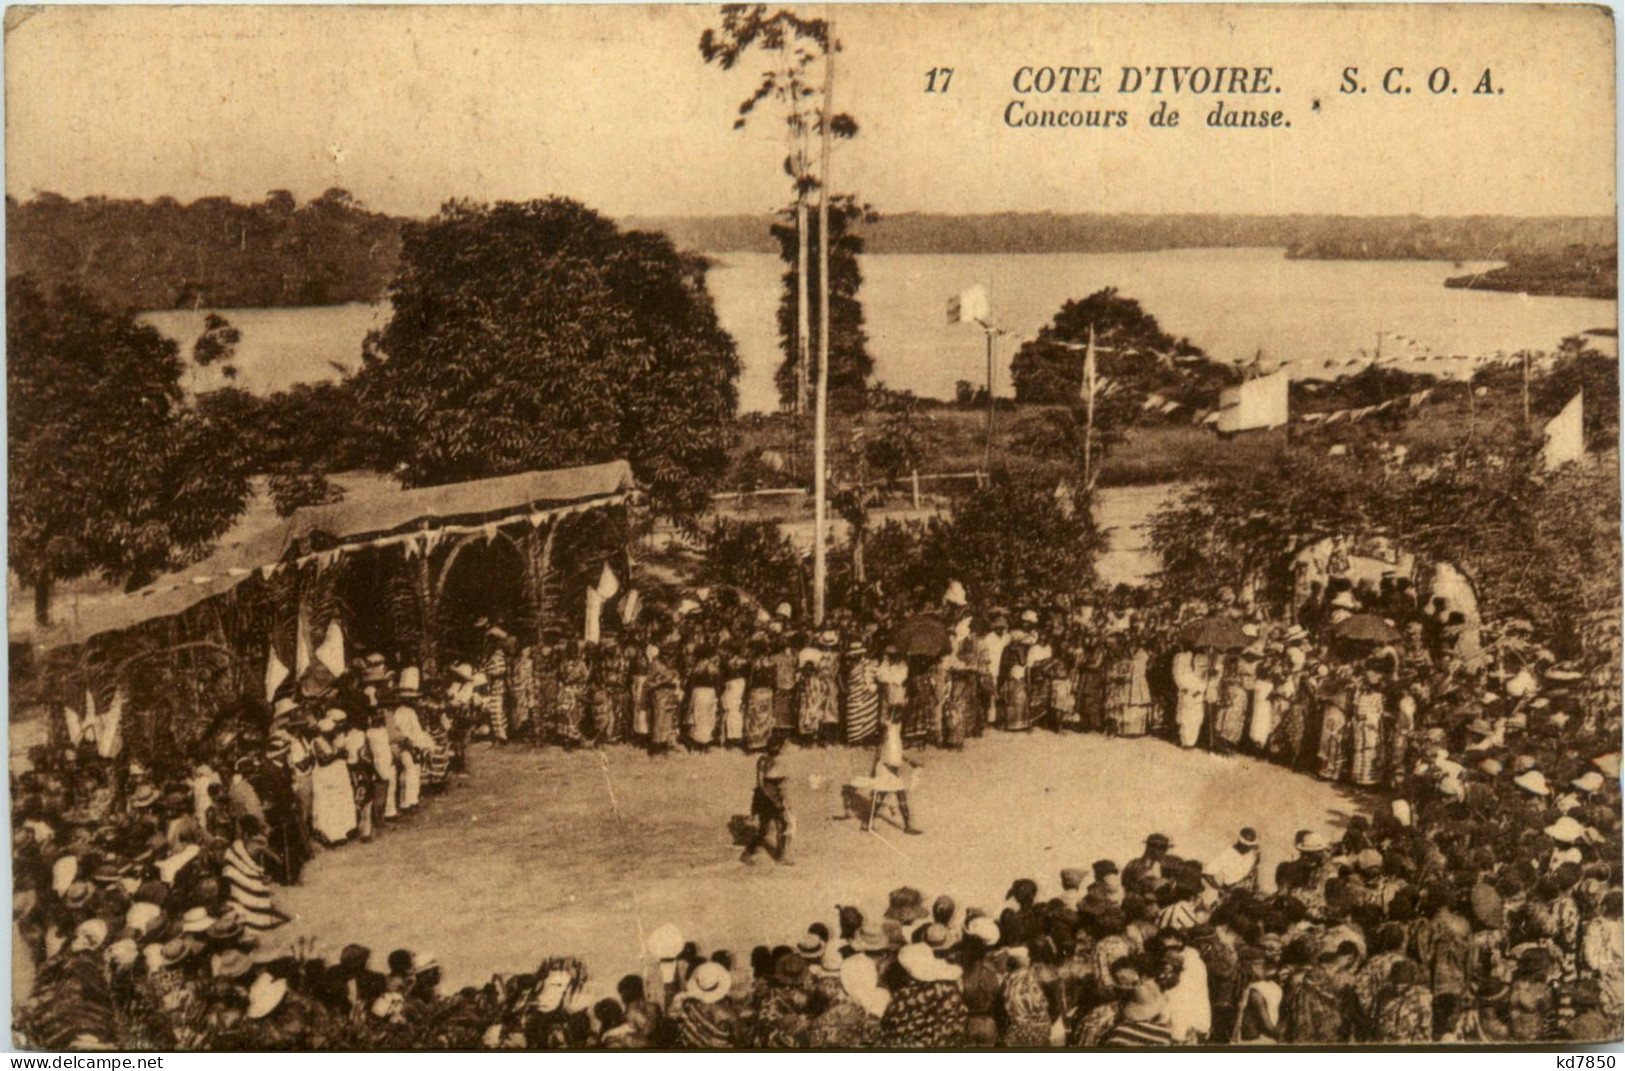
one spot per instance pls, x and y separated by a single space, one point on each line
849 527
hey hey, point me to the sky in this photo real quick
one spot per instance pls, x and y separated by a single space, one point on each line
408 107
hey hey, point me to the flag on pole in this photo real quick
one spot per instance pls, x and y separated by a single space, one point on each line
1257 403
970 306
275 673
331 652
1565 434
1091 385
301 644
608 583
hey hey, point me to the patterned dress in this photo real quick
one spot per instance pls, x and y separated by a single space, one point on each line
1367 737
1013 689
924 1015
759 704
959 707
862 702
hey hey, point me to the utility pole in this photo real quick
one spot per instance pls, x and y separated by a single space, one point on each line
820 503
1525 356
987 451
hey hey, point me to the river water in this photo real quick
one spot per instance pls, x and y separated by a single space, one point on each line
1231 302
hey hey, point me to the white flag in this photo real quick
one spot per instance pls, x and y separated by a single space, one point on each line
608 583
1257 403
1565 434
301 644
971 306
331 652
275 673
1091 384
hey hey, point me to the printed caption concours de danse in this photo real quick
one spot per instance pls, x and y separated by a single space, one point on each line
1050 81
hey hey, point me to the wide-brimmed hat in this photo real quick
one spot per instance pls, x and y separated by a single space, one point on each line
1564 671
1146 1003
665 942
829 964
710 982
871 938
90 936
197 920
462 670
143 917
145 796
167 954
922 964
1565 830
78 894
1591 781
228 927
789 968
936 936
984 928
1533 781
811 946
906 904
265 995
232 963
1312 842
1159 840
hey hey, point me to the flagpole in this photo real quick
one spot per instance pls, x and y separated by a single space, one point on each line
987 450
1089 407
820 503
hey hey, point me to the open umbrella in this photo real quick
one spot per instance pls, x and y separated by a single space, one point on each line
923 634
1214 632
1365 628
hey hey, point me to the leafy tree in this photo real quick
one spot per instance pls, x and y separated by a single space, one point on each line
1242 528
217 344
1579 367
1534 544
850 364
110 470
795 44
539 335
756 557
1015 540
1132 349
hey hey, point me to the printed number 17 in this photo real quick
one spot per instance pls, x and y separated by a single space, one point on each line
931 76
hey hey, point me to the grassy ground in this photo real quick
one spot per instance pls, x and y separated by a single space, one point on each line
953 440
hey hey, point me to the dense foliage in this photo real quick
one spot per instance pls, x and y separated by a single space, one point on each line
1131 348
212 252
539 335
110 471
1537 545
850 364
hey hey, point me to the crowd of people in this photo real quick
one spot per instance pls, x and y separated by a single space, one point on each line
1479 902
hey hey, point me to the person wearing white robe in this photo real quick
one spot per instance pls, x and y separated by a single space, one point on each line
412 741
1189 1008
1190 672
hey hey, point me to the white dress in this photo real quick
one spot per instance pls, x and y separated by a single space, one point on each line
889 759
332 798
